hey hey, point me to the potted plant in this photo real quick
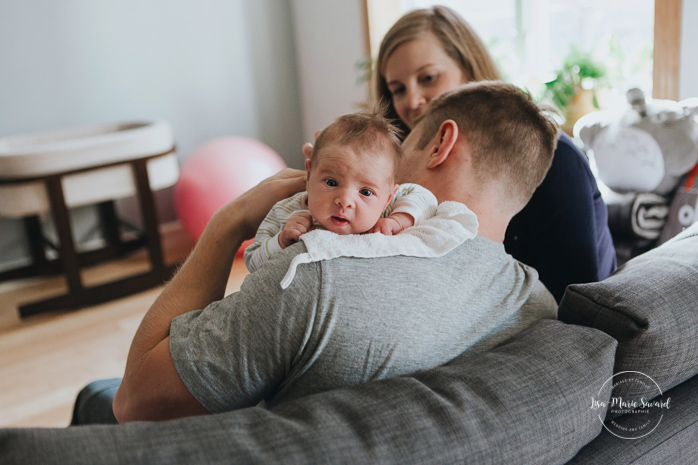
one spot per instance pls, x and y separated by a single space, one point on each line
574 89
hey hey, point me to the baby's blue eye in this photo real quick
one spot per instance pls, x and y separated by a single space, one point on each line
331 182
366 192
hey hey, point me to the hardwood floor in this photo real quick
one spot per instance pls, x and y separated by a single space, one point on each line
45 360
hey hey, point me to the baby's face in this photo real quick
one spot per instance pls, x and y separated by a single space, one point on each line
348 189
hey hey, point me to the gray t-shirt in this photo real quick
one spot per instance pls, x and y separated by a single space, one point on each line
347 321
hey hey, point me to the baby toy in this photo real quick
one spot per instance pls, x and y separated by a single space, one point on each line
640 154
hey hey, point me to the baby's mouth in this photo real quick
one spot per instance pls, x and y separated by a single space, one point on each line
339 221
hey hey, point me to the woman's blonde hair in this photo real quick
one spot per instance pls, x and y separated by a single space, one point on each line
460 42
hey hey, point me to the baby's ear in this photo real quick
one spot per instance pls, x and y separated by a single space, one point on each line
307 150
395 188
307 173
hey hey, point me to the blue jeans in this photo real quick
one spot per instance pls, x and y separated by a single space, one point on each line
94 403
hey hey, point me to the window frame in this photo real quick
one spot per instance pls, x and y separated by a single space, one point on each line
666 57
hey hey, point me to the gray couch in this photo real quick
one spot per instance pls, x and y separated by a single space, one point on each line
541 397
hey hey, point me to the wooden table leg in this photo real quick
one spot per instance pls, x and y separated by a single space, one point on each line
32 227
149 216
71 261
61 217
109 223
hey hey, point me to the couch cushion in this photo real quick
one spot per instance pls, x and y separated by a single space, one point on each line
526 401
650 305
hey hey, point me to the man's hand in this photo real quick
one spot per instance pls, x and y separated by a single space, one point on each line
252 206
295 227
393 224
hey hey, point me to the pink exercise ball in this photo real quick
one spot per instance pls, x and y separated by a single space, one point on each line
218 172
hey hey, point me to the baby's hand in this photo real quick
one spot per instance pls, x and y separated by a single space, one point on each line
393 224
297 225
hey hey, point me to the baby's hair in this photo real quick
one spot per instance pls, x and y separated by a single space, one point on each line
365 130
512 140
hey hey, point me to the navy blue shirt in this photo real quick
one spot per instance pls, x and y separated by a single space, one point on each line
563 231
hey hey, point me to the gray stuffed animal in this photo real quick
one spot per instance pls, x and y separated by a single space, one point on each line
640 154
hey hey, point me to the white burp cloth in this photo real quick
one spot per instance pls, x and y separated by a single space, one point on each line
453 224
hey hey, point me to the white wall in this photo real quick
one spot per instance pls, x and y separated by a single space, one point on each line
329 42
210 67
688 82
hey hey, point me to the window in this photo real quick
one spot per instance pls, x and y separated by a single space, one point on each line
531 38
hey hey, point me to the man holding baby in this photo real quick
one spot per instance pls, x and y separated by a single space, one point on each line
345 321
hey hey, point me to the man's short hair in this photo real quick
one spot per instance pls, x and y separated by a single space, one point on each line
512 139
365 130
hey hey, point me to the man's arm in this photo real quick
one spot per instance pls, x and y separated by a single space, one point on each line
151 388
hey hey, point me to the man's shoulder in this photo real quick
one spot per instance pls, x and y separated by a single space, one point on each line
272 272
514 276
467 258
482 247
281 260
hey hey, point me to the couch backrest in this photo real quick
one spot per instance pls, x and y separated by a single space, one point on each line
526 401
650 305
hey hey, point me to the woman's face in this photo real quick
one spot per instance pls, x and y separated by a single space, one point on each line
418 71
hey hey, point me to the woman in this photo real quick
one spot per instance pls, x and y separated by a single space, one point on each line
563 231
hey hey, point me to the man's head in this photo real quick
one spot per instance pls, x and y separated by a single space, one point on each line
352 170
507 140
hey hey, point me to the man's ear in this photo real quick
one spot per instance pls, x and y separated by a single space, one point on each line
447 137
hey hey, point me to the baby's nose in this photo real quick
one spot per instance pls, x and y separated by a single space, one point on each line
344 201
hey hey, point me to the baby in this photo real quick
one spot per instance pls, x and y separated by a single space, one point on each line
350 189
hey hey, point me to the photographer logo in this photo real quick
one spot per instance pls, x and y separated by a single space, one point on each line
636 406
